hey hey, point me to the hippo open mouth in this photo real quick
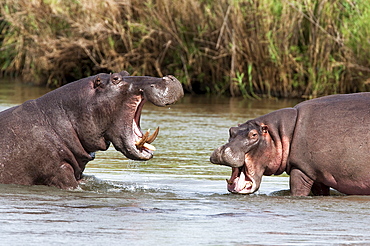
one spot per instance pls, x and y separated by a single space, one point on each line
55 136
240 182
142 141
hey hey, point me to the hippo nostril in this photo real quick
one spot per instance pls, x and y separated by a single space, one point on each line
171 77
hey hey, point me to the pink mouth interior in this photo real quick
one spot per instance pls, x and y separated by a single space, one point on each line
138 134
136 121
240 181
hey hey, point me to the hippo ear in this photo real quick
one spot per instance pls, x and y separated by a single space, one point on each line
116 78
124 73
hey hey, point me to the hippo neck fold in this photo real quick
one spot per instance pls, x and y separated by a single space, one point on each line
281 125
61 124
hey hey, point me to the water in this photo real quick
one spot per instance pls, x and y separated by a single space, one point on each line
178 197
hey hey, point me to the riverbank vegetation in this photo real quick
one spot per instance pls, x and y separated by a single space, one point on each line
247 48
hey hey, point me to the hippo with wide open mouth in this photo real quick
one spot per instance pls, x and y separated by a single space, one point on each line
321 143
50 140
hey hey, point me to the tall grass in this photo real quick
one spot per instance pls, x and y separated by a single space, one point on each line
238 47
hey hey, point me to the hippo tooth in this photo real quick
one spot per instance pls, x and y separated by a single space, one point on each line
249 184
153 137
149 146
142 141
146 141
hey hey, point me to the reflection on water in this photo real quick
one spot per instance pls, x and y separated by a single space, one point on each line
12 92
178 197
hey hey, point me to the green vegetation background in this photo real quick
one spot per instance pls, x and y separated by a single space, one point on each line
247 48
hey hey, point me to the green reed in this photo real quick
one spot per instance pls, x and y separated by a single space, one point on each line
244 48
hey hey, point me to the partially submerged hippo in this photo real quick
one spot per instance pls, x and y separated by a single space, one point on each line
320 143
49 140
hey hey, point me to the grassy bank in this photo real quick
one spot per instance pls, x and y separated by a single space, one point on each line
242 47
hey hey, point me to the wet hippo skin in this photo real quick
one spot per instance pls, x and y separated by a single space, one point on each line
320 143
49 140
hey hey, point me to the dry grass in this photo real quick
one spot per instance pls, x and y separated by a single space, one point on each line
275 48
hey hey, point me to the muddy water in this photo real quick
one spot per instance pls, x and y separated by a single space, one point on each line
179 197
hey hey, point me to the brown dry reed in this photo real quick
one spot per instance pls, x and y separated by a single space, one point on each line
247 48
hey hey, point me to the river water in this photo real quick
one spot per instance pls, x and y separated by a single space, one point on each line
178 197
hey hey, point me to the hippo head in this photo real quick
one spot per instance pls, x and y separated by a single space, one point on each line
113 110
250 153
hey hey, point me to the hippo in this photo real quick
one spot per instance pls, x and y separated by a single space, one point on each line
49 140
321 143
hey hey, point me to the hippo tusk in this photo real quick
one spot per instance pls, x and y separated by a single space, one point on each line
146 141
249 184
142 141
153 137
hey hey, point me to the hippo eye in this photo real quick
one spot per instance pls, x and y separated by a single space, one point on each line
116 80
253 134
97 82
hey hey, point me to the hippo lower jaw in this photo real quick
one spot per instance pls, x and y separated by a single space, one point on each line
130 140
240 182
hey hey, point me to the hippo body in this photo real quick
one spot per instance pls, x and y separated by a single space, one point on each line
49 140
320 143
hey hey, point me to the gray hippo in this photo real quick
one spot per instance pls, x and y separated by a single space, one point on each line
49 140
320 143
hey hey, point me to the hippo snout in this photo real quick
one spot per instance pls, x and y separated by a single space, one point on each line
177 90
164 91
225 155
